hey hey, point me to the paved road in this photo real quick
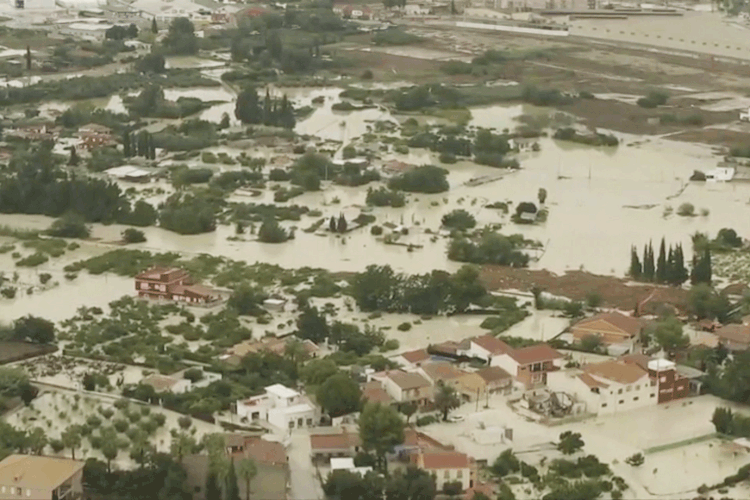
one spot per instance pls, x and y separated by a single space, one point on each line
304 481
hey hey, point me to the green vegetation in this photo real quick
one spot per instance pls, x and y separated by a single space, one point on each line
488 247
594 139
668 269
653 99
458 219
382 197
395 36
424 179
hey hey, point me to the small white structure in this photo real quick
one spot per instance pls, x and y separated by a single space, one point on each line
129 173
86 30
281 407
745 115
720 174
347 463
274 304
164 383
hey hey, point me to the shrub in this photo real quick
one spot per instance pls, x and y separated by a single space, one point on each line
459 219
427 420
185 422
131 235
279 175
686 210
404 327
33 260
376 230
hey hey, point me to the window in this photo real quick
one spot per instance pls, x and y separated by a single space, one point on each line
663 379
604 405
447 474
629 388
621 401
619 391
459 474
638 387
652 394
635 398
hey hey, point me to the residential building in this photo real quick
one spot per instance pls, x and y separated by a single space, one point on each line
496 379
271 481
342 443
165 383
471 386
373 392
86 30
734 337
281 407
94 136
37 132
172 283
485 347
40 478
447 466
276 345
606 388
93 129
529 365
611 328
412 359
441 372
670 383
406 387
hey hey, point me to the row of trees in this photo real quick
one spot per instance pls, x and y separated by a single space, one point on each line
669 267
139 144
273 112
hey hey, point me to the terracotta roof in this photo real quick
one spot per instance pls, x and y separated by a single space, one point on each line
637 359
340 441
432 460
734 333
265 452
416 356
617 371
373 392
493 374
620 322
492 344
441 371
591 381
154 273
31 471
408 380
160 383
534 354
735 289
201 290
447 347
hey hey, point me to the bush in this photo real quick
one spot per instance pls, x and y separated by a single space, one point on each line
193 374
376 230
279 175
131 235
459 219
424 179
404 327
686 210
382 197
69 226
447 157
653 100
33 260
427 420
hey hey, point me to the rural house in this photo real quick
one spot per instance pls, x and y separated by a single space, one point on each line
529 365
172 283
40 478
325 446
611 328
406 387
280 406
734 337
447 466
485 347
670 383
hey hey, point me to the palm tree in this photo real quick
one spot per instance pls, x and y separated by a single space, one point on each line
247 470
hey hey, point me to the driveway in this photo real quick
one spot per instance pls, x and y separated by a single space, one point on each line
304 481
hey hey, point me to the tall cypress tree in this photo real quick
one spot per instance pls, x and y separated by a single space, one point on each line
126 145
661 264
708 270
267 111
670 273
680 273
635 264
232 490
213 490
648 264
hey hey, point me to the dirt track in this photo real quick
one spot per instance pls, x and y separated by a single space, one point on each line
576 285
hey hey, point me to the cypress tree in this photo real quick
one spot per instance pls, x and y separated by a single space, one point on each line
648 264
154 26
232 490
73 156
670 274
707 271
213 490
28 58
635 264
341 226
267 109
680 273
332 224
661 264
126 145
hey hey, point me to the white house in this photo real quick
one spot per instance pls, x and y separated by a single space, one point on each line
447 467
347 463
86 30
606 388
281 407
485 347
720 174
416 9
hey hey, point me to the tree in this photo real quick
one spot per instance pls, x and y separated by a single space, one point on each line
635 270
339 395
411 484
126 148
408 409
247 470
332 224
380 429
70 225
152 62
71 438
312 325
28 58
668 334
182 444
661 264
271 232
459 219
570 442
591 343
131 235
154 26
446 399
635 460
702 271
185 422
452 488
341 225
704 302
181 37
318 371
541 196
506 463
723 419
248 110
213 490
34 329
648 263
232 490
109 450
37 440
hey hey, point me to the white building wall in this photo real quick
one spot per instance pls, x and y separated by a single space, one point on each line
506 363
443 476
609 400
288 418
477 351
393 390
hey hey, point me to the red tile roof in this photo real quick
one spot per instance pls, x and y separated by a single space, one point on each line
265 452
617 371
374 393
591 381
442 371
492 344
340 441
416 356
406 380
492 374
534 354
432 460
621 323
734 333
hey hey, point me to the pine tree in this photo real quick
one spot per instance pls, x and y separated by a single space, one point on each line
341 226
73 156
635 265
28 58
213 490
126 145
154 26
267 109
332 224
661 264
232 490
680 273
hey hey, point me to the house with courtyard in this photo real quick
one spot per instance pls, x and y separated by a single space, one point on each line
406 387
40 478
175 284
530 365
611 327
337 442
485 347
280 406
